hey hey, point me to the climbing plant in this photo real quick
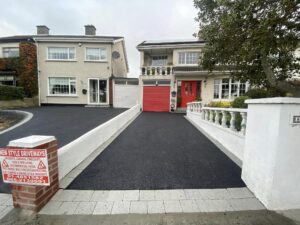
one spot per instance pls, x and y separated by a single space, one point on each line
26 67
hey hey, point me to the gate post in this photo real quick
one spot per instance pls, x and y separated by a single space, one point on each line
272 152
35 196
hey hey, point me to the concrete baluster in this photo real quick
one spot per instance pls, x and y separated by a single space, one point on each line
224 114
232 121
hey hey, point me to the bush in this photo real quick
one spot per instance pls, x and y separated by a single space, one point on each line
257 93
11 93
239 102
220 104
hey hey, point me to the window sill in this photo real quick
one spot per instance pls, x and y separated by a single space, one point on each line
185 65
222 99
60 60
96 61
68 96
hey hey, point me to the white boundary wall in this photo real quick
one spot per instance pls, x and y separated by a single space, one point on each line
70 155
233 142
271 167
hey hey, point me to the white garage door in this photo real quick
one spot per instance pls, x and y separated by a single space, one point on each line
125 96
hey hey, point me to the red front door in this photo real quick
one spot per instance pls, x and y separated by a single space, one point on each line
188 92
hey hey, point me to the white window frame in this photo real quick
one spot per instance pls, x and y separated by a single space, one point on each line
62 59
99 49
3 52
185 58
107 94
63 95
160 56
230 84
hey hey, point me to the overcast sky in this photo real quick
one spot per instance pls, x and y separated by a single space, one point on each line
136 20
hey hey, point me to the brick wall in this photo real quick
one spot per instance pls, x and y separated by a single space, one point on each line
35 197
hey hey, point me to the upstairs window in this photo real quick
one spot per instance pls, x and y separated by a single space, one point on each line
188 58
61 53
10 52
228 88
160 60
96 54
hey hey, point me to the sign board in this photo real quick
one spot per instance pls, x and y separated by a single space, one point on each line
295 119
25 166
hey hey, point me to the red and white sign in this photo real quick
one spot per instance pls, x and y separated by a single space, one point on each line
25 166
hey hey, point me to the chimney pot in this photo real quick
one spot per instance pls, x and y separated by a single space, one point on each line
90 30
42 30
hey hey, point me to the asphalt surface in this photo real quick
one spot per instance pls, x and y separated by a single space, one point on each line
160 151
66 123
263 217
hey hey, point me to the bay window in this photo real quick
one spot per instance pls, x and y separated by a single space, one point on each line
96 54
61 53
228 89
62 85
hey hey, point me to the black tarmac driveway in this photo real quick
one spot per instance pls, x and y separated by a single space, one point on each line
160 151
66 123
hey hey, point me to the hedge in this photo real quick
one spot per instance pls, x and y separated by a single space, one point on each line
11 92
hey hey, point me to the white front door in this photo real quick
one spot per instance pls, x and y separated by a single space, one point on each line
98 91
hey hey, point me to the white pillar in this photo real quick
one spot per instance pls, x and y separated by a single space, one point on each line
271 167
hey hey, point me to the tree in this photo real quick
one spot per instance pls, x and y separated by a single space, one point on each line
255 39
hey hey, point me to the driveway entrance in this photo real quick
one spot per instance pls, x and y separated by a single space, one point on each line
160 151
66 123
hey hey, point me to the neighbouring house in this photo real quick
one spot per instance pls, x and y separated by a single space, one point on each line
79 69
18 62
171 76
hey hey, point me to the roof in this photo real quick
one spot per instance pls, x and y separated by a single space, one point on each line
17 38
157 43
20 38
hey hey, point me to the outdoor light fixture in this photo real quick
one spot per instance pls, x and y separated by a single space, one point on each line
205 81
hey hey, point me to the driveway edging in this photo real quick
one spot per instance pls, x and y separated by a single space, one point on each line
28 116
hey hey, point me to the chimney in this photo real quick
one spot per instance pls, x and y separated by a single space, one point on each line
90 30
42 30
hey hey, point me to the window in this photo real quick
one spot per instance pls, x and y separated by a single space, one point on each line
225 88
96 54
10 52
188 58
62 85
228 88
61 53
217 88
160 60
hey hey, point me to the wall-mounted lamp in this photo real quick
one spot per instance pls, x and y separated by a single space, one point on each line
205 81
79 44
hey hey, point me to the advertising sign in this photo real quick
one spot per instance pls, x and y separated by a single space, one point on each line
25 166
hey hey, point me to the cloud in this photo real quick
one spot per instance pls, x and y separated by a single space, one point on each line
136 20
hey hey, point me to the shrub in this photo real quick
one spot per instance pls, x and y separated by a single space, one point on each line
239 102
220 104
276 92
257 93
11 93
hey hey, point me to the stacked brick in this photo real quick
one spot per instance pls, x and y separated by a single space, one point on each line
35 197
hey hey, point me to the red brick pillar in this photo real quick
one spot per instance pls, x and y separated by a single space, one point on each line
33 197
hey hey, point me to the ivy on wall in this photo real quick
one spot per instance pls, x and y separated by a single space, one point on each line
26 67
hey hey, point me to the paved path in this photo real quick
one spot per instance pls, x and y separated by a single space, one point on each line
6 204
89 202
159 151
66 123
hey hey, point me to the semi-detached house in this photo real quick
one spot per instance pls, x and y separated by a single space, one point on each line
78 69
171 76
